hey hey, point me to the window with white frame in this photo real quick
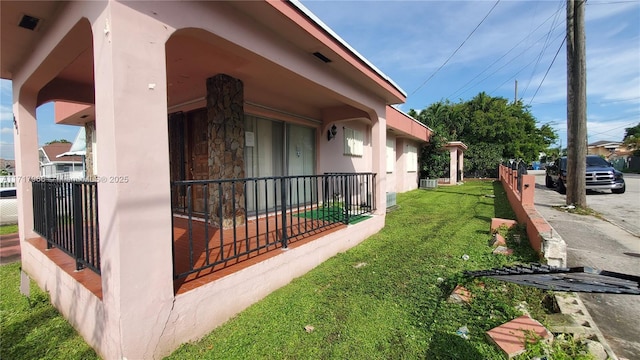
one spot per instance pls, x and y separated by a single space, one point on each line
391 155
412 158
353 142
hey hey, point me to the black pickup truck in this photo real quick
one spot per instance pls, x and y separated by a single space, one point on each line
600 175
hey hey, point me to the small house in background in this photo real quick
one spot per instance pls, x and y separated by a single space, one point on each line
608 149
55 164
7 167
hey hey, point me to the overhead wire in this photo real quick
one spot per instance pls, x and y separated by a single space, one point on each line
549 68
611 129
459 47
501 57
503 66
545 46
514 75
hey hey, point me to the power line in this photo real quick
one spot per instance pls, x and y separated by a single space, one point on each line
459 47
591 102
545 46
517 73
501 57
612 129
549 68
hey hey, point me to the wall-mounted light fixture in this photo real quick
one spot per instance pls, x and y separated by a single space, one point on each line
331 133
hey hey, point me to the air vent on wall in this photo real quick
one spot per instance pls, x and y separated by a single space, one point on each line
29 22
321 57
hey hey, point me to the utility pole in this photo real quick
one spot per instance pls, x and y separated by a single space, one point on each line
515 96
576 105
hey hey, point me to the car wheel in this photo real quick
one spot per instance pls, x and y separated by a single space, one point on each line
561 188
619 191
548 182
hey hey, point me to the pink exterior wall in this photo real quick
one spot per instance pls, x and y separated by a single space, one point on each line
406 125
194 314
391 175
405 180
331 152
62 110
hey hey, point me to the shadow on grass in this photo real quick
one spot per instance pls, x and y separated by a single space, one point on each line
501 203
35 330
450 346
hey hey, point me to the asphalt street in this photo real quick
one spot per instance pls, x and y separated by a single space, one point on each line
612 244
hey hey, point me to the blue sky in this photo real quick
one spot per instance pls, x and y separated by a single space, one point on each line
430 49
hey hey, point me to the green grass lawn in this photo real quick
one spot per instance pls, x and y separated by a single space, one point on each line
8 229
384 299
32 328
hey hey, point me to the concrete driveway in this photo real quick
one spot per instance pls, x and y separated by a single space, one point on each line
612 244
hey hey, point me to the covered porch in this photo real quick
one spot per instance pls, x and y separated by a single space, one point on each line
174 219
291 211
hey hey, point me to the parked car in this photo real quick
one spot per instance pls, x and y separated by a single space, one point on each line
8 206
600 175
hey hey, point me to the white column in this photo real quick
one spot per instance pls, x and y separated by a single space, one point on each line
133 172
25 137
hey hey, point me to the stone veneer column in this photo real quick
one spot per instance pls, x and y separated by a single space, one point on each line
89 130
225 113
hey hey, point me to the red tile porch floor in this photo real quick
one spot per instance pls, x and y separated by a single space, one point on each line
254 232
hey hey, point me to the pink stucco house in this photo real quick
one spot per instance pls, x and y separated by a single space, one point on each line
229 146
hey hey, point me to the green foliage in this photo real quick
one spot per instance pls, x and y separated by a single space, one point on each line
434 158
493 128
482 160
31 328
58 141
632 139
564 347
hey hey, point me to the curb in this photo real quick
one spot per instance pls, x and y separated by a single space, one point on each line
570 304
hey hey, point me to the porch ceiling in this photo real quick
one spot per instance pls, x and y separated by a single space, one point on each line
17 42
192 57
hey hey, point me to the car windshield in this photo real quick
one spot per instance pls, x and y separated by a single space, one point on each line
597 161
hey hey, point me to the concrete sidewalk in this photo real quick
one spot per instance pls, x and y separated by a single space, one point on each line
9 248
599 244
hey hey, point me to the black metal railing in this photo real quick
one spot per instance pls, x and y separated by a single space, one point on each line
65 214
225 220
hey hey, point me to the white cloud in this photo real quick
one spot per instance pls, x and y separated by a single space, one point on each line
6 113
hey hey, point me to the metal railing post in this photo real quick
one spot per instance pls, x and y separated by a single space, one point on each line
347 208
50 211
283 203
76 214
